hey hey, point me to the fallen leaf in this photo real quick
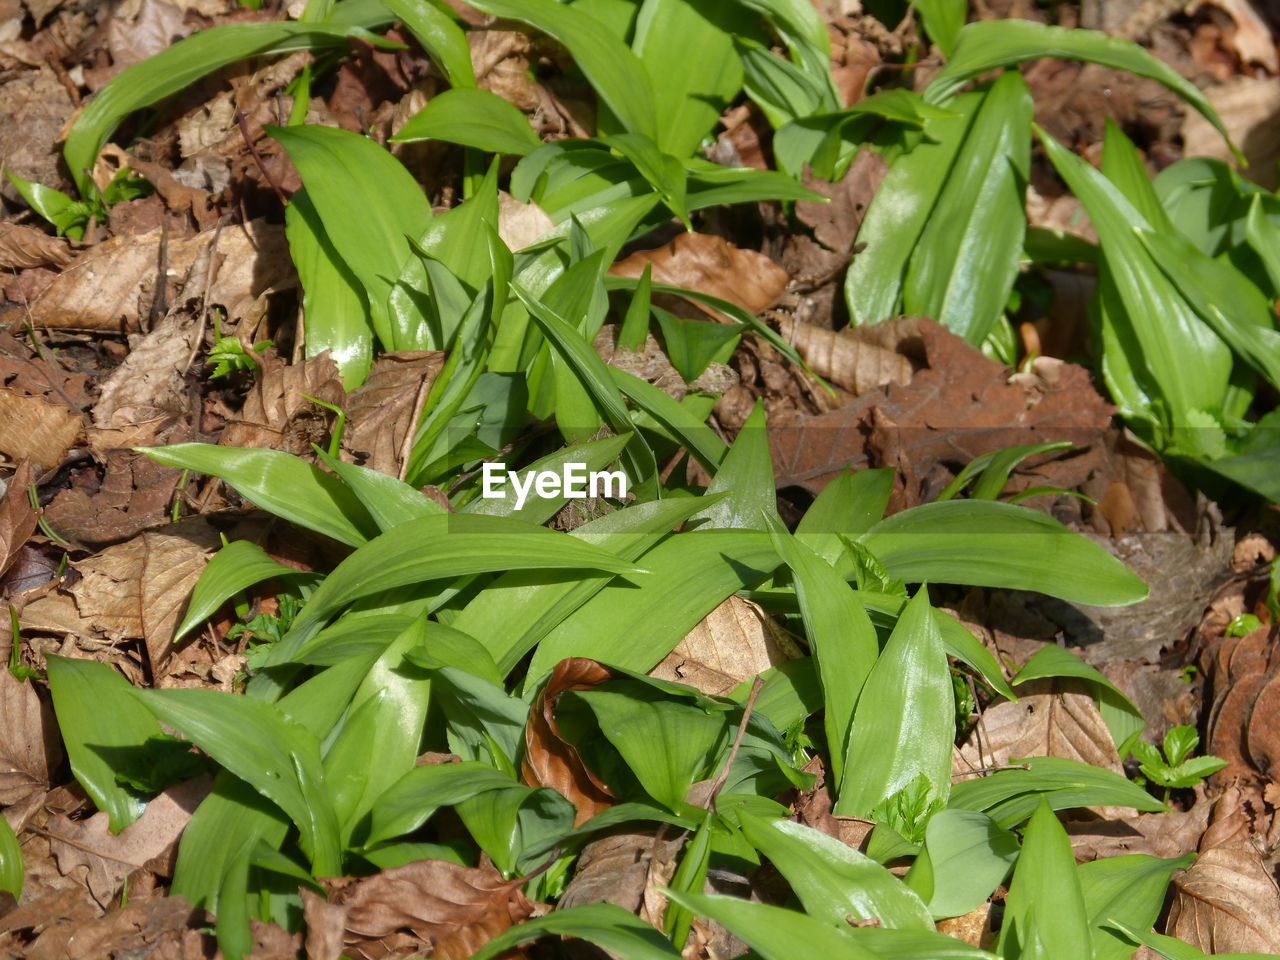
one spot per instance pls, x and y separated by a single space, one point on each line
974 928
32 428
1227 902
549 759
30 749
134 494
650 364
277 414
429 906
166 927
711 265
34 108
520 224
113 283
145 29
619 868
22 247
108 858
734 642
1247 106
385 408
849 358
149 386
815 261
18 518
1252 39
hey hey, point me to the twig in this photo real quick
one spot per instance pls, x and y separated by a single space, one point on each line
257 157
981 771
411 434
718 784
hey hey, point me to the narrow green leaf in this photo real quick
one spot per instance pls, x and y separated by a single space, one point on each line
389 501
1171 948
903 725
746 476
969 856
1045 878
988 543
12 867
987 45
635 327
1129 889
994 469
473 118
942 21
964 265
604 924
235 567
773 932
278 483
698 438
440 35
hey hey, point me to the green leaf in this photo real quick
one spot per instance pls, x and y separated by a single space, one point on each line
698 438
235 567
11 862
438 32
613 71
745 475
1045 879
410 802
1123 719
835 883
517 827
368 203
335 307
281 759
96 710
693 344
987 543
1130 889
964 265
389 501
473 118
898 214
1171 948
969 855
594 455
987 45
1179 742
604 924
782 90
942 21
775 933
177 68
902 727
458 545
993 469
842 640
70 217
279 483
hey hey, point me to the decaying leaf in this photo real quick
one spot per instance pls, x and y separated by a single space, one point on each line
428 906
135 494
851 358
277 414
549 759
734 642
1227 902
111 285
32 428
22 246
18 518
30 749
384 409
974 928
520 224
148 387
714 266
621 869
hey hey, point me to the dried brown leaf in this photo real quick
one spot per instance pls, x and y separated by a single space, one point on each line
1227 902
22 247
1247 106
846 358
974 928
17 517
382 412
520 224
277 414
619 868
134 495
734 642
429 906
711 265
549 759
106 858
148 387
30 749
32 428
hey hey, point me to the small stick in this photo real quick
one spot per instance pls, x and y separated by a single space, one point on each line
723 778
979 771
257 157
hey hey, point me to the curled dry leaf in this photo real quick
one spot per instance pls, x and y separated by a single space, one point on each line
1244 676
714 266
849 358
1227 902
620 868
974 928
549 759
383 411
30 749
113 283
22 247
1174 833
430 907
650 364
277 414
107 858
734 642
17 517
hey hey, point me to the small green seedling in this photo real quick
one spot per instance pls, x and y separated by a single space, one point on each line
1244 624
1176 770
228 354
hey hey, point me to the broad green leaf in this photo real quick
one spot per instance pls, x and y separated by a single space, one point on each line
592 456
279 483
334 305
604 924
782 90
903 725
257 743
686 578
666 744
987 543
693 344
613 71
96 709
635 326
711 185
687 51
805 33
1181 362
775 933
841 638
474 118
835 883
177 68
440 35
965 262
1171 948
484 722
389 501
235 567
968 856
746 476
519 826
1130 889
69 217
852 503
987 45
409 802
368 203
660 170
434 547
1257 471
942 21
1045 879
1263 235
11 861
1123 719
1122 164
898 213
1010 796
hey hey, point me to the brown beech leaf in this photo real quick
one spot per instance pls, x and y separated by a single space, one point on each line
135 494
148 387
1174 833
849 358
734 642
520 224
549 759
30 749
974 928
1227 902
22 247
277 414
36 429
108 858
430 907
711 265
17 517
113 283
620 868
1051 718
385 408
